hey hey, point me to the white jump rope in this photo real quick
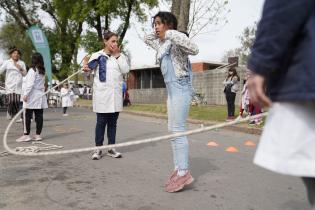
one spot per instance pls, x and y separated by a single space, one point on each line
148 140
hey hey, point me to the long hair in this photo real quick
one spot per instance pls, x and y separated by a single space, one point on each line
232 69
38 63
167 18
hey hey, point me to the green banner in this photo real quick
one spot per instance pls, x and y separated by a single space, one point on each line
41 45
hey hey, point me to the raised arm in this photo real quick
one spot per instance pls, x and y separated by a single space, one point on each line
152 41
23 69
180 39
123 64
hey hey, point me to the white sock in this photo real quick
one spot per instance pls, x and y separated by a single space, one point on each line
181 172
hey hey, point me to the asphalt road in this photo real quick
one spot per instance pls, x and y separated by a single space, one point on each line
223 180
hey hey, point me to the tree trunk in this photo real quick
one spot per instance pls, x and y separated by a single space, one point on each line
99 28
106 22
176 8
183 19
180 8
127 21
75 64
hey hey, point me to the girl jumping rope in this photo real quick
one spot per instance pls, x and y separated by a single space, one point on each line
173 48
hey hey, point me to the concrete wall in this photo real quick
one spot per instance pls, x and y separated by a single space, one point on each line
148 96
208 83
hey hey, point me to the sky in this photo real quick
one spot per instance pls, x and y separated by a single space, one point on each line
212 46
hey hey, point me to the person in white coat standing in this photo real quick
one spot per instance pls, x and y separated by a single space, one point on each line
110 66
15 70
67 96
34 98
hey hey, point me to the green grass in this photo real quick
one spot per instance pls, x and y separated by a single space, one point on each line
155 108
210 113
83 102
207 113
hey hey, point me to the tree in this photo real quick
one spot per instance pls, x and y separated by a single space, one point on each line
12 35
181 8
207 16
100 14
199 16
247 40
69 16
19 11
63 36
66 33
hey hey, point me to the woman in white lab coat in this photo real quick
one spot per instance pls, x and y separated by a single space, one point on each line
110 66
15 70
34 98
67 97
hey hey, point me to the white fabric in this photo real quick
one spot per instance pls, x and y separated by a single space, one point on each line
34 88
245 97
67 97
107 96
23 88
287 144
13 77
81 90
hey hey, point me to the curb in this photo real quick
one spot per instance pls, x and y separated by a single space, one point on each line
243 129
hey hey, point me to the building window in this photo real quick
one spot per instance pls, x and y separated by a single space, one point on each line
157 79
145 79
137 83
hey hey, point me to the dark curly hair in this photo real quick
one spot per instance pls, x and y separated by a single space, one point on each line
167 18
13 49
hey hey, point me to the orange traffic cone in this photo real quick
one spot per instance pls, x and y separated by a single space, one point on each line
249 143
212 144
231 149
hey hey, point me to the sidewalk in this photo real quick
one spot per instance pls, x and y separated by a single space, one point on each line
243 127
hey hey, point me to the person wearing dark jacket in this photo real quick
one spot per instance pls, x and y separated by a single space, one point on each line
282 64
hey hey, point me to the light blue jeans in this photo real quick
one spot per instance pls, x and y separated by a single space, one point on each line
178 103
179 93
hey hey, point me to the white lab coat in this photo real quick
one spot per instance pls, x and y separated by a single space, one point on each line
13 78
107 96
34 90
287 144
67 97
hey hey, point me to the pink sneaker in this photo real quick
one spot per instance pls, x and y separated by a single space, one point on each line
173 174
24 138
37 138
178 182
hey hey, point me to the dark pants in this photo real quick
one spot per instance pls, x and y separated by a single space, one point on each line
38 120
13 103
310 188
65 110
103 119
230 99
